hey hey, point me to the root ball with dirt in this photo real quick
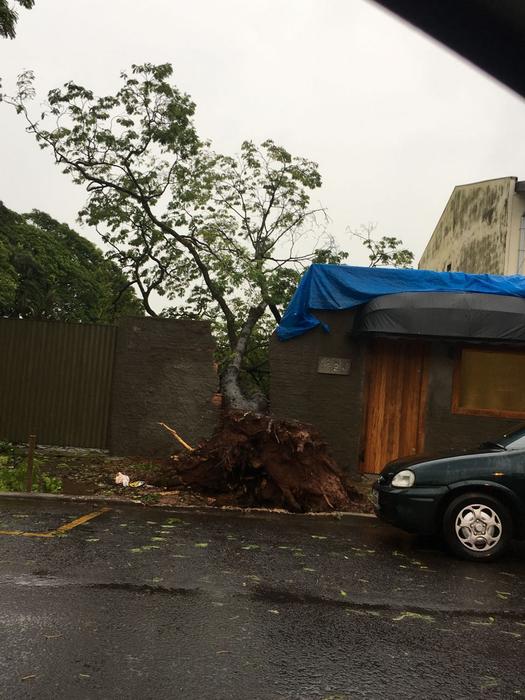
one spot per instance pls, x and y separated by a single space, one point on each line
263 461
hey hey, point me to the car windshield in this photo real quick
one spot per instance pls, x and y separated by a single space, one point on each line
510 441
493 443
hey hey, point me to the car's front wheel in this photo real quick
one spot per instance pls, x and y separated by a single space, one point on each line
477 526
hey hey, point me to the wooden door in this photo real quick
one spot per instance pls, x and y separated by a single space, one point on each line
395 401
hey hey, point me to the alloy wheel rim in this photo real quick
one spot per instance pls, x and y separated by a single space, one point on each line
478 527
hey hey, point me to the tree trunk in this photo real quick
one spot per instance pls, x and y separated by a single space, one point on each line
230 384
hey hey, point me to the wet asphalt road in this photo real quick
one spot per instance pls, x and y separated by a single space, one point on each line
149 603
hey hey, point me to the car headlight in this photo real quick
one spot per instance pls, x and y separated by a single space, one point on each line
404 479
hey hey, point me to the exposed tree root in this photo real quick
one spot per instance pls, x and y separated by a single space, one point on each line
263 462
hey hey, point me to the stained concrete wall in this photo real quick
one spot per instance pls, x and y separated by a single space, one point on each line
332 403
471 235
517 211
163 372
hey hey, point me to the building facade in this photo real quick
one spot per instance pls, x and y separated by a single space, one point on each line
481 230
392 363
375 399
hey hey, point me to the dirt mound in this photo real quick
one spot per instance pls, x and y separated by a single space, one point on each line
263 462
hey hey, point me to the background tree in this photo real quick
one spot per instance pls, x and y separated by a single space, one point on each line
214 235
386 251
9 17
48 271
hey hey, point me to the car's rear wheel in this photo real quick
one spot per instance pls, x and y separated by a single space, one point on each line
477 526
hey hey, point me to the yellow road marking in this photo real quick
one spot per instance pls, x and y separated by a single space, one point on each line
60 530
80 521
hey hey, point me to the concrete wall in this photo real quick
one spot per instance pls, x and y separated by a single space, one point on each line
332 403
471 235
517 210
163 372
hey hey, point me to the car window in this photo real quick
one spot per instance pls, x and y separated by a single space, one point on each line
514 440
518 444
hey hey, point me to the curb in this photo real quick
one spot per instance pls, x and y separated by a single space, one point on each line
58 497
63 498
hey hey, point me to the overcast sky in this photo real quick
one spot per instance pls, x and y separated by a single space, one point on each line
393 119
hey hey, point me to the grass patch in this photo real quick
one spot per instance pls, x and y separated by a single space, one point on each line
13 472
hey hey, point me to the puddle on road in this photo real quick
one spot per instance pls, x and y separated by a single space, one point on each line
33 580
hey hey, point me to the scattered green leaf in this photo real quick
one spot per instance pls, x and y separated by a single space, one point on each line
407 614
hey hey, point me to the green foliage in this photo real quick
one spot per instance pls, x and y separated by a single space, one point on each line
217 236
385 251
255 367
13 472
222 238
14 479
9 17
10 455
148 499
48 271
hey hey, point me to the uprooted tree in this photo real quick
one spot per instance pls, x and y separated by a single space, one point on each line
219 237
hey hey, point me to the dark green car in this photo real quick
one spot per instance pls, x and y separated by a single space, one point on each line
474 498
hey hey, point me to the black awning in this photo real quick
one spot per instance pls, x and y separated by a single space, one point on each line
490 317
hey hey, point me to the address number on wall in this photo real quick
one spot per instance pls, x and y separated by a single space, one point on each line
333 365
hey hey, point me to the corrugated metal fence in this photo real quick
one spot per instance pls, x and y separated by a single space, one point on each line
55 382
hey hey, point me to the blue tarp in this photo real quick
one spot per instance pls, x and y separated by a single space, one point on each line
337 287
